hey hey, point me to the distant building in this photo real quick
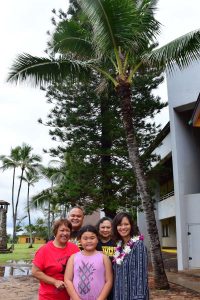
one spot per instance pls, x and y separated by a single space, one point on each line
177 196
25 239
93 218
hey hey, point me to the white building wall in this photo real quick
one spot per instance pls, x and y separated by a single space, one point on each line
166 208
183 88
163 149
141 222
192 205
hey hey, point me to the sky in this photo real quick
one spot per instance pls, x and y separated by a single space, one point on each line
23 26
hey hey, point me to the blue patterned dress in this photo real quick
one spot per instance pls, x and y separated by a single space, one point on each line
131 277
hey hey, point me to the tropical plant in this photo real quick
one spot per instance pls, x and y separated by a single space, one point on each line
48 198
29 162
119 44
30 177
40 228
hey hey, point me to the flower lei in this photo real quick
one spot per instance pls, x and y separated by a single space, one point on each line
121 252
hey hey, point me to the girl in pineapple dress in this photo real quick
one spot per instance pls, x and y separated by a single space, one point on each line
88 274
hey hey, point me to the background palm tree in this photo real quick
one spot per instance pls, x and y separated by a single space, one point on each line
30 177
22 159
27 162
118 41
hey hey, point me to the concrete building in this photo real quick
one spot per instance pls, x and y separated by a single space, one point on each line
178 184
25 239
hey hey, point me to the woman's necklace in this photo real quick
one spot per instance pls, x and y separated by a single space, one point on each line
121 252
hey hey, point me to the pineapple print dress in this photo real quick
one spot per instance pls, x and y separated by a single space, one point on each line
89 275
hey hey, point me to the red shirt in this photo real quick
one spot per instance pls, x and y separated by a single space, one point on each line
52 261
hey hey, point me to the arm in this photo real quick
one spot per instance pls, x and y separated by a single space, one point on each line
68 279
108 278
40 275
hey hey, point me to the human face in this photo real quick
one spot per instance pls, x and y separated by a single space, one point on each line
105 230
62 235
124 229
76 218
89 241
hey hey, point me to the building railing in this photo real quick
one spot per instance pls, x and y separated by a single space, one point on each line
168 195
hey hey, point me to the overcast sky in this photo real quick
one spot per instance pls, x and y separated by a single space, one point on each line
23 26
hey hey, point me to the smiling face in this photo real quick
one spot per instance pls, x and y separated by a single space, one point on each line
62 235
76 217
105 230
124 229
89 241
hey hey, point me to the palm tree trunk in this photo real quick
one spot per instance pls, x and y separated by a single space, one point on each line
160 278
29 218
13 205
16 207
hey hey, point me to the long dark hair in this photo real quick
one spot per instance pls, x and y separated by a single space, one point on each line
118 219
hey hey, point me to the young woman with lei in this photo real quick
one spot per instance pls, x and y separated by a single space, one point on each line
130 261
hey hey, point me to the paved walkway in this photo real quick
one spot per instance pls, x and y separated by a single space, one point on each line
188 279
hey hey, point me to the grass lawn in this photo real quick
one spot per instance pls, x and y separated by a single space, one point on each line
21 252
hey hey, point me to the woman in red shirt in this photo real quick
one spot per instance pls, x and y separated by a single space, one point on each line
50 262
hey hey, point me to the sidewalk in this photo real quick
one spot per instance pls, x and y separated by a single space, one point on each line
183 285
188 279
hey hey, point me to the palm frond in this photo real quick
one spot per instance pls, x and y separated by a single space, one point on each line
42 71
70 36
119 23
179 52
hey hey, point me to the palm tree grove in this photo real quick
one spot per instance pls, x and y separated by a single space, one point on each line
101 66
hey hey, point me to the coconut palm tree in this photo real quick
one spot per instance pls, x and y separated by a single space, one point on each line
27 162
30 177
117 42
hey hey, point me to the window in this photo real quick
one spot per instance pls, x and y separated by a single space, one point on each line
165 230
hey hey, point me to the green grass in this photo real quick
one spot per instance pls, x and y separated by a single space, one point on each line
21 252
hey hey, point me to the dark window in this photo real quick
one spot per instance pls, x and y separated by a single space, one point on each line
165 230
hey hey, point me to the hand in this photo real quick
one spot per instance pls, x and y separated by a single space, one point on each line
59 284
